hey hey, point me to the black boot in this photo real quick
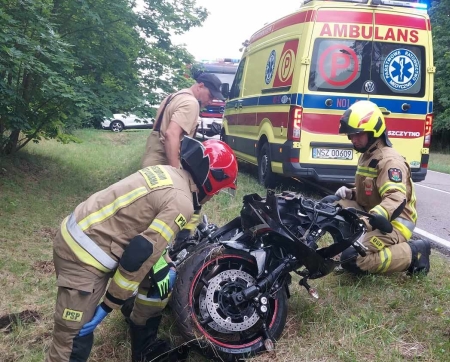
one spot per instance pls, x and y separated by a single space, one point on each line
146 347
420 262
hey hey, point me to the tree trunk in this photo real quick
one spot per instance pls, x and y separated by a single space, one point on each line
11 144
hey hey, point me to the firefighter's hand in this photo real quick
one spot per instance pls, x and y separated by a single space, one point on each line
89 327
344 193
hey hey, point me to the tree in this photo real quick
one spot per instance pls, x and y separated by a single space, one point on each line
63 62
440 20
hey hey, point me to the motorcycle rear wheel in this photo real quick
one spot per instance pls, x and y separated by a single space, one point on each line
201 304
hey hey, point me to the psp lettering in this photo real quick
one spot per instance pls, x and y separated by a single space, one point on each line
72 315
368 32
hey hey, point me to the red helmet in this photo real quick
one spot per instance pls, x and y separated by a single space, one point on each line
223 167
212 164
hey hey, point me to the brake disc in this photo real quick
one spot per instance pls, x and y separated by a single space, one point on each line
215 302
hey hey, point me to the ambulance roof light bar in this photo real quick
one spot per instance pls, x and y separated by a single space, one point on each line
408 4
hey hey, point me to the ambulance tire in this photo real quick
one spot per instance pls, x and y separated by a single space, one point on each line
223 136
265 175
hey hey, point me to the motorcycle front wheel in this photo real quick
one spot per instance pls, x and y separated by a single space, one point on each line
201 301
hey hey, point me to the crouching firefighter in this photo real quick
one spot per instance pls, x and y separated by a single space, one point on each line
120 235
383 186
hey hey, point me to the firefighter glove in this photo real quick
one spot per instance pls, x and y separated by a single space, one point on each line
161 277
154 291
99 315
344 193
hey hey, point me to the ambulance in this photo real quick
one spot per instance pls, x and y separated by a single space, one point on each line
300 73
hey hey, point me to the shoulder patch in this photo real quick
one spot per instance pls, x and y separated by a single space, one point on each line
181 221
395 174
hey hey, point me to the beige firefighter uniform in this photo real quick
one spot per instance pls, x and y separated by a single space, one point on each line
383 186
118 233
182 108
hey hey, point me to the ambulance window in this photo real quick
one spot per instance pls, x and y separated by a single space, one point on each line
356 66
339 65
398 69
235 90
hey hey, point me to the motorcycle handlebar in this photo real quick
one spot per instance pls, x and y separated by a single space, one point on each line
376 221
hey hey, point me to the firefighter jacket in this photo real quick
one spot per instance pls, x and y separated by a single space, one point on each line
182 108
383 185
124 229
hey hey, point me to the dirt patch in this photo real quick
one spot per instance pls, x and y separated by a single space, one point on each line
44 267
410 351
118 138
48 233
8 321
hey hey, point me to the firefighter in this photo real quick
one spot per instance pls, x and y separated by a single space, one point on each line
383 186
177 116
120 234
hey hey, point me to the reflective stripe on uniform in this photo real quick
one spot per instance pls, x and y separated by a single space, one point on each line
412 202
192 224
405 227
124 283
112 208
142 298
162 228
388 186
385 260
380 210
367 171
84 248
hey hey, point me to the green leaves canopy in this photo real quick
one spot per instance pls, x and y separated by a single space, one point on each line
65 62
440 22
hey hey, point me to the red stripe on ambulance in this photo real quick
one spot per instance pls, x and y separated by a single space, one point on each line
329 124
297 18
353 17
400 21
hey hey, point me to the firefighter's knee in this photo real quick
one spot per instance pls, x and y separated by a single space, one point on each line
348 259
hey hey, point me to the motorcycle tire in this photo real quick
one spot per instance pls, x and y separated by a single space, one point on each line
204 286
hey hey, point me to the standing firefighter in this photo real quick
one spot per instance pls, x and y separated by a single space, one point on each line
382 186
121 233
177 116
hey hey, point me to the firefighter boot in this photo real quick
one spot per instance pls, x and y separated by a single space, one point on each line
420 261
146 347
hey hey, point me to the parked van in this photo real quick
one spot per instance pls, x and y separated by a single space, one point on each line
300 73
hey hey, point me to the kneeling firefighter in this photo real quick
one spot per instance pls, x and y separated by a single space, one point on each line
120 235
383 186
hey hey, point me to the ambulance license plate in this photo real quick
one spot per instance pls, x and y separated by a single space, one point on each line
332 153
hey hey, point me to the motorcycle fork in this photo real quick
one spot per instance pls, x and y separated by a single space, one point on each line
265 284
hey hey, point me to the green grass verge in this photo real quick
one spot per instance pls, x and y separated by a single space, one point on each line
439 162
373 318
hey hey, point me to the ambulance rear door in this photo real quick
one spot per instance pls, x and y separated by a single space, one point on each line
401 80
339 71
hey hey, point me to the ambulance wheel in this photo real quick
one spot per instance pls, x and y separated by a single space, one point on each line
265 175
223 136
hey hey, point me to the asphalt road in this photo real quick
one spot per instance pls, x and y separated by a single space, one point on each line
433 204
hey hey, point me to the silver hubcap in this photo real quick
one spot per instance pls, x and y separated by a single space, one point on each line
116 127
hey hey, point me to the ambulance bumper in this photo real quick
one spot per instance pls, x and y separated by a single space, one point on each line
325 173
419 174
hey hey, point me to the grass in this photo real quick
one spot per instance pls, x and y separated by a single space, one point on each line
439 162
372 318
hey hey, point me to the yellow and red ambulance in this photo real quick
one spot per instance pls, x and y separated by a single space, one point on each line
300 73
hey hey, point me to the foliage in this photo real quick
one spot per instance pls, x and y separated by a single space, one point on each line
440 20
65 62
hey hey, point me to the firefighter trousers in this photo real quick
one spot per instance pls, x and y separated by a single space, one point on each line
79 293
386 253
